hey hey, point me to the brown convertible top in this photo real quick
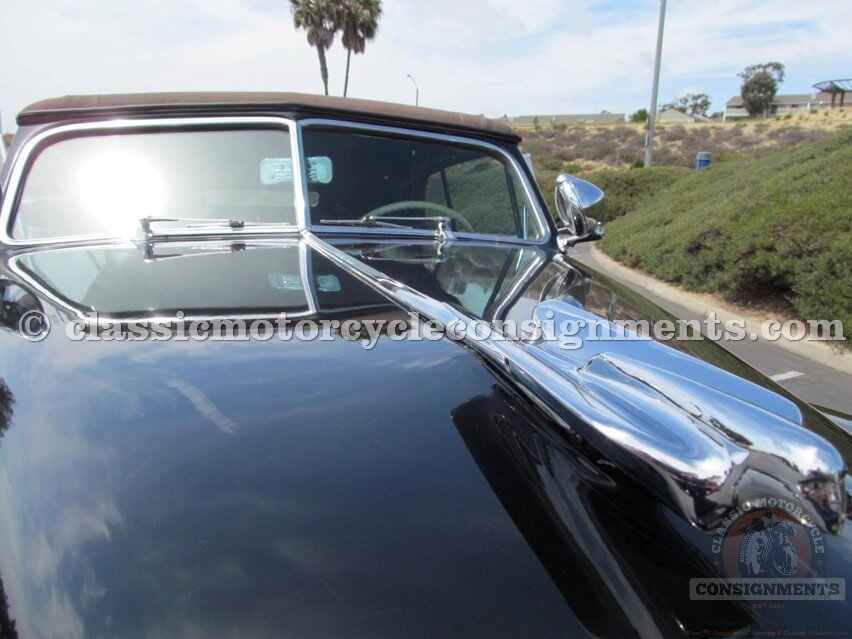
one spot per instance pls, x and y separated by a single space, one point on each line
217 103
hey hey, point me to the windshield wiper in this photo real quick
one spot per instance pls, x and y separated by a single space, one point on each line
443 232
370 222
200 223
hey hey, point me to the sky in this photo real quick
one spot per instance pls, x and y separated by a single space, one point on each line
481 56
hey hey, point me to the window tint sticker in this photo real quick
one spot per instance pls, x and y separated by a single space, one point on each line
328 283
276 171
280 170
320 170
285 281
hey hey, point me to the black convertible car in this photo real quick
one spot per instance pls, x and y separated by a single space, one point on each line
434 425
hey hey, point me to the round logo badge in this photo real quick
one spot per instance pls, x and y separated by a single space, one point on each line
768 549
766 538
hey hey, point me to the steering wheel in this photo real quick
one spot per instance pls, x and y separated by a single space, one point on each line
394 207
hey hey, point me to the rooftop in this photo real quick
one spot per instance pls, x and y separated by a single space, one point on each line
567 118
793 98
298 104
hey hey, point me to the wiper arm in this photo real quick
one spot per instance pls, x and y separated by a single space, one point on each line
190 222
200 223
367 221
442 229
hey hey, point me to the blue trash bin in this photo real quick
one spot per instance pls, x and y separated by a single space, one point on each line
702 160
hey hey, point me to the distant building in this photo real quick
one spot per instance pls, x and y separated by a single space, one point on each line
781 105
568 119
673 116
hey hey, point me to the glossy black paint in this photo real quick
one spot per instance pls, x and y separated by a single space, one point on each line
317 488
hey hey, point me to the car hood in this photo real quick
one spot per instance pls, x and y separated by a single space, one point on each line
307 488
698 423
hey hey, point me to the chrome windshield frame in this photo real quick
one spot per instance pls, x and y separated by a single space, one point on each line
37 141
529 190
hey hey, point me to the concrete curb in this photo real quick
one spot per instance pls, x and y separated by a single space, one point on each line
816 351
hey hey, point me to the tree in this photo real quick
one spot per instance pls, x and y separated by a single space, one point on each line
758 92
696 103
640 116
536 124
319 18
676 106
359 22
760 84
692 103
775 69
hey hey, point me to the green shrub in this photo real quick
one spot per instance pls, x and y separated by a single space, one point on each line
552 164
775 229
726 155
626 191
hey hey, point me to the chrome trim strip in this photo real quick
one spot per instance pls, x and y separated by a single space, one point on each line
127 125
516 288
529 189
306 272
700 450
300 188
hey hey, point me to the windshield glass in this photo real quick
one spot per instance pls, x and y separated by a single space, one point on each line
104 184
375 177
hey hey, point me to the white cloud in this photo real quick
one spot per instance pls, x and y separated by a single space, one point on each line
492 56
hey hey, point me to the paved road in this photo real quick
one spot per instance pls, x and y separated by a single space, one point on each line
812 382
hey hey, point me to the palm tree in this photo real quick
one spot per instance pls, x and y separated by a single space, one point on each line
319 19
359 21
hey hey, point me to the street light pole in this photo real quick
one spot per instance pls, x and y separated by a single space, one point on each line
652 114
416 90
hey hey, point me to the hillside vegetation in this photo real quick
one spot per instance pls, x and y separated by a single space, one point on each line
773 229
584 148
627 190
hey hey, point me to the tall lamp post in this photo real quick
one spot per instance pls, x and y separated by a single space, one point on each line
416 90
652 114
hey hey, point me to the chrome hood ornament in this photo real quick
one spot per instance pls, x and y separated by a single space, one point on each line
715 439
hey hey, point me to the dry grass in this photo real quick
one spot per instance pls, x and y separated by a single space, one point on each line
586 148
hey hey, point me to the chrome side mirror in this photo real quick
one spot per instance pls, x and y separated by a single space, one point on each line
574 199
